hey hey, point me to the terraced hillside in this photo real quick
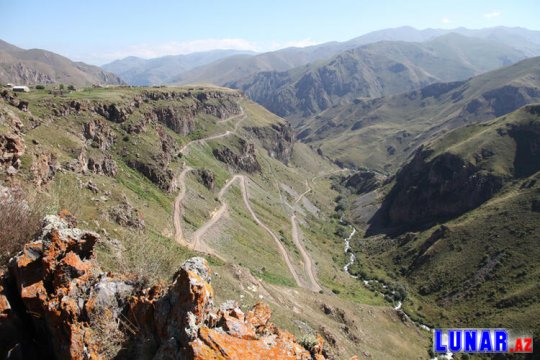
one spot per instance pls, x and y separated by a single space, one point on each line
164 174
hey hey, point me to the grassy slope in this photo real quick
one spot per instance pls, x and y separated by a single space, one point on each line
153 252
484 271
361 133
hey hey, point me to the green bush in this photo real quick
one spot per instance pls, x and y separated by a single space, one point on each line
71 88
40 87
308 341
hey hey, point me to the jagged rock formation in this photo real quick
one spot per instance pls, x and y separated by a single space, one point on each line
144 112
95 163
429 190
126 215
363 181
206 177
99 134
181 117
11 149
160 176
44 168
246 160
55 295
12 145
277 139
169 147
103 165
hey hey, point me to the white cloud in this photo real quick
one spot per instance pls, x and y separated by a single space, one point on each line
148 51
446 20
492 14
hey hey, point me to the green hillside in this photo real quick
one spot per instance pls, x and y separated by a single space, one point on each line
466 260
113 157
382 133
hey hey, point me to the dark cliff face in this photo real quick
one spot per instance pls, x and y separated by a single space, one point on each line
246 160
434 189
363 182
428 191
277 139
180 116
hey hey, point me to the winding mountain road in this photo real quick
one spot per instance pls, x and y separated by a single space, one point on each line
177 214
308 262
241 117
200 245
181 178
197 242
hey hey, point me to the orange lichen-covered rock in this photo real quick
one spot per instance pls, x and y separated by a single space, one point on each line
215 344
56 280
259 316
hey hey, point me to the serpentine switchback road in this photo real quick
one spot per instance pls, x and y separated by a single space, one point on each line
197 242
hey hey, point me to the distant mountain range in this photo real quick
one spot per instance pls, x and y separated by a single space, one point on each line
220 68
36 66
378 69
138 71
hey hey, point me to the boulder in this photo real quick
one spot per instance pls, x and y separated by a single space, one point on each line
55 299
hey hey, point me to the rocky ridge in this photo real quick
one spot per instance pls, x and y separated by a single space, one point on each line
55 299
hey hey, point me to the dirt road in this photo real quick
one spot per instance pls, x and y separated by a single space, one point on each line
185 149
308 263
197 242
177 213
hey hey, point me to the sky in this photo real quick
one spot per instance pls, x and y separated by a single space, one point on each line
98 31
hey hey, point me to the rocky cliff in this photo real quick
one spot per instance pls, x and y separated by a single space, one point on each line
277 139
142 128
56 302
461 171
245 160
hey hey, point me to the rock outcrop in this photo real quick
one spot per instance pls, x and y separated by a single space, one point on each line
157 174
55 299
246 160
126 215
363 181
277 139
103 165
99 134
180 117
12 145
44 168
430 190
206 177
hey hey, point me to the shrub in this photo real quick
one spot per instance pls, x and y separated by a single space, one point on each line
71 87
61 86
40 87
308 341
108 337
19 222
150 260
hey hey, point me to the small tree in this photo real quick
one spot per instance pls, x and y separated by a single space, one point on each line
71 88
40 87
61 86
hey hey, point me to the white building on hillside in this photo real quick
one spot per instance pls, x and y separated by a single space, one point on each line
21 88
